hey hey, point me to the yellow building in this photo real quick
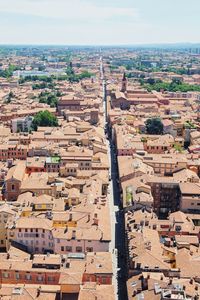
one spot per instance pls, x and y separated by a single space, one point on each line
170 254
63 220
6 211
31 203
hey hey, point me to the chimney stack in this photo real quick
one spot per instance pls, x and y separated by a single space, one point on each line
95 222
38 291
73 234
70 217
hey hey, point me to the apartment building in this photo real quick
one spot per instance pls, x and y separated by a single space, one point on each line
190 197
32 234
22 125
166 164
6 212
166 194
16 151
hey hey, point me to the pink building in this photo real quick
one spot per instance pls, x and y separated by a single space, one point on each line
32 234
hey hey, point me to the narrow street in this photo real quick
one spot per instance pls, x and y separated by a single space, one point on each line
119 227
117 246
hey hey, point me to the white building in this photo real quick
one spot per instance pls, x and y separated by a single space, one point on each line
22 124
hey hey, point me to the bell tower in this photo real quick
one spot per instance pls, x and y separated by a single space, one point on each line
124 83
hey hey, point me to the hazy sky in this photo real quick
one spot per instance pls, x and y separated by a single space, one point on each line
99 21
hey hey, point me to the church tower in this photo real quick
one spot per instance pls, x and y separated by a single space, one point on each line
124 83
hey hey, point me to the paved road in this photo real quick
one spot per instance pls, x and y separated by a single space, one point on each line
112 208
117 246
119 229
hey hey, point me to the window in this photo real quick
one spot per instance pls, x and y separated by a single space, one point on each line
6 275
50 278
39 278
89 249
178 228
17 275
78 249
68 248
13 187
104 280
87 278
62 248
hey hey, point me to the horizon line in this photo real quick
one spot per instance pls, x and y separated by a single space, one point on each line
106 45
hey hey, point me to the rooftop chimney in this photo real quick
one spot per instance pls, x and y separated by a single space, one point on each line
38 291
88 218
73 234
70 217
95 221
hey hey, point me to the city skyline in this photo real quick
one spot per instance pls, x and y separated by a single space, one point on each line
99 150
50 22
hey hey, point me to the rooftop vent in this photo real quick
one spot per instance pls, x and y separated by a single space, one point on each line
17 291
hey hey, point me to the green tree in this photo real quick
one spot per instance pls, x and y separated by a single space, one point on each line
128 67
44 118
178 148
48 98
174 86
154 126
84 74
72 77
151 81
10 96
41 68
43 78
8 72
38 86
